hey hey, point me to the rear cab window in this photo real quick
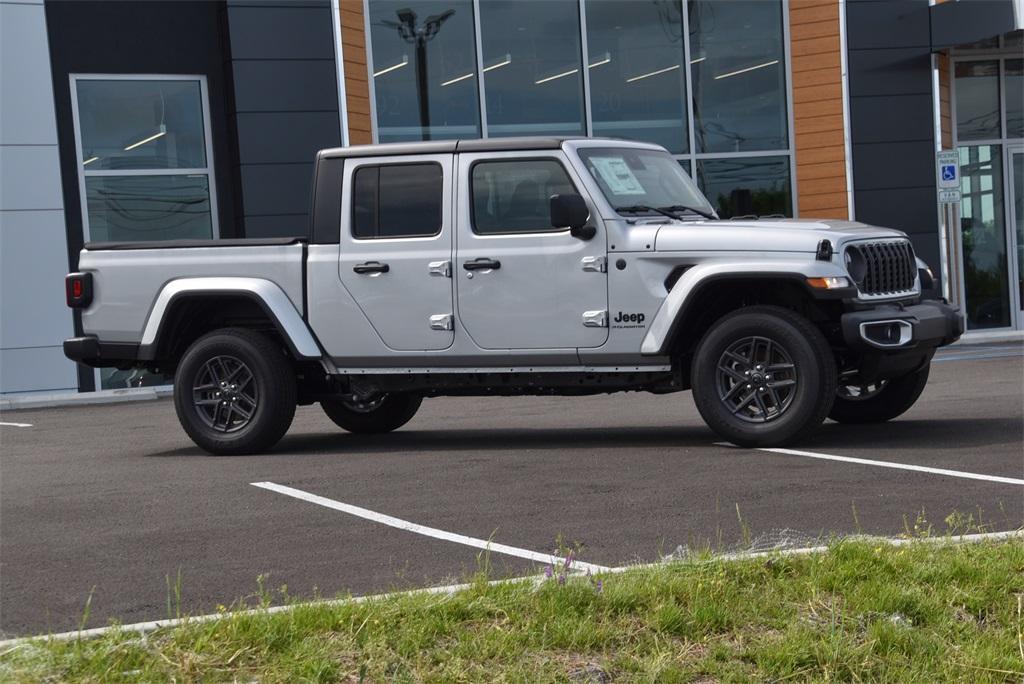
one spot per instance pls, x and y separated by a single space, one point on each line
397 201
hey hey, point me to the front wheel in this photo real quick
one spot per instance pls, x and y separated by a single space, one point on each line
234 392
383 413
879 401
763 376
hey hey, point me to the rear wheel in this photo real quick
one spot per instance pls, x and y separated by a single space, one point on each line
879 401
234 392
384 413
763 376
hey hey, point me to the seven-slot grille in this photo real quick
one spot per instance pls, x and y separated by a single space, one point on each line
889 267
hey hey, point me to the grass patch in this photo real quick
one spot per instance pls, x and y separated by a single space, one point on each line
861 611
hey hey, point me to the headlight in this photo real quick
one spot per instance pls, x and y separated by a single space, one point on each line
856 265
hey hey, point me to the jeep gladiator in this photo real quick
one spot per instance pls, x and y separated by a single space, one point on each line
522 266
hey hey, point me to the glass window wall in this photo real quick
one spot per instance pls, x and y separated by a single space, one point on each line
737 187
984 237
739 75
532 60
424 70
977 100
631 69
637 81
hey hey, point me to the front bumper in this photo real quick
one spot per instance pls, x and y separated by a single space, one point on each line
88 350
893 340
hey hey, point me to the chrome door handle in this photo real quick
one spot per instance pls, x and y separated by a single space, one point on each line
482 264
371 267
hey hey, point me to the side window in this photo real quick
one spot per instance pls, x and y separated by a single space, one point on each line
514 196
396 200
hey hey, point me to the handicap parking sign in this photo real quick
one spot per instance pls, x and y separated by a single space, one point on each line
947 168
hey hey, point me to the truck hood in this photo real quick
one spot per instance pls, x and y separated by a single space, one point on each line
771 235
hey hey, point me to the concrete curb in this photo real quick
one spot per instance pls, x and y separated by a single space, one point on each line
54 399
146 627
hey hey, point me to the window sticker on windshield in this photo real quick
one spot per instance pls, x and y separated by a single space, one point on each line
617 174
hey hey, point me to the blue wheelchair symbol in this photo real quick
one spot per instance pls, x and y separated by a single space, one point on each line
949 172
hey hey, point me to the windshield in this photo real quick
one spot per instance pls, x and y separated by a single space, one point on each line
632 178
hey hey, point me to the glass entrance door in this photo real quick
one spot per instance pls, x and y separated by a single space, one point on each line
1015 211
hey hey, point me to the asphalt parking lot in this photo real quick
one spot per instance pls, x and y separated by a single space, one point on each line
115 503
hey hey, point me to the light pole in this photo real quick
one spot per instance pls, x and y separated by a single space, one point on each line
419 35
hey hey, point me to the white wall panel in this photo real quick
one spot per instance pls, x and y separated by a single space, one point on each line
44 369
32 308
30 177
33 241
26 87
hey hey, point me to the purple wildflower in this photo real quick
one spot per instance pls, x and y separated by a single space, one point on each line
549 571
561 579
599 587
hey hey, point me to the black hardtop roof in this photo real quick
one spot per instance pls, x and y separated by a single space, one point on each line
450 146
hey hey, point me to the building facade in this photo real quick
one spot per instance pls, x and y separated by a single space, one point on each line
163 120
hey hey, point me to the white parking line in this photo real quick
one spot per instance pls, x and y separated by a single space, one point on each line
16 424
367 514
887 464
976 357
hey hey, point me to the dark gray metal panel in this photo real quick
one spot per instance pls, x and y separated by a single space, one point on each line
889 71
276 188
292 32
893 165
288 225
887 24
968 21
926 247
888 118
285 86
283 137
898 208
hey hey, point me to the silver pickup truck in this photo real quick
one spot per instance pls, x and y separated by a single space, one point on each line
513 267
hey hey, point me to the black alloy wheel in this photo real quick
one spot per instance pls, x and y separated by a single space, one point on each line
757 379
225 395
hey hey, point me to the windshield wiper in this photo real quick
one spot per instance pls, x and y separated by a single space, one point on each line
699 212
640 208
672 211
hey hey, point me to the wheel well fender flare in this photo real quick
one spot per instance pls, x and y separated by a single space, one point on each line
700 277
265 293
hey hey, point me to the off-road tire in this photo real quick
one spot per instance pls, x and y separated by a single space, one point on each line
812 366
394 411
893 399
273 380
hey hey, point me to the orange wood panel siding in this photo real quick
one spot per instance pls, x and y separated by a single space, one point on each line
357 87
945 112
818 108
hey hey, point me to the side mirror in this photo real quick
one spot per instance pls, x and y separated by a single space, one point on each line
570 211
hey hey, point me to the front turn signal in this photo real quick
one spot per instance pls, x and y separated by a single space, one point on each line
831 283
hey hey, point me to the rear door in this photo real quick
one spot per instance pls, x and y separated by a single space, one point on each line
396 247
521 283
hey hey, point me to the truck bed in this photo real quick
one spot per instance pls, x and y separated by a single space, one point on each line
129 276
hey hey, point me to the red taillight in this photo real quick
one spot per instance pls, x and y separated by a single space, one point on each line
78 290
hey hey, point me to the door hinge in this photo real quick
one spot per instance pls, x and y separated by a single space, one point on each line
442 322
595 263
440 268
595 319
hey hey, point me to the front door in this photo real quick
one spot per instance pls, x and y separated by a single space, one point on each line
396 247
1016 214
523 284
